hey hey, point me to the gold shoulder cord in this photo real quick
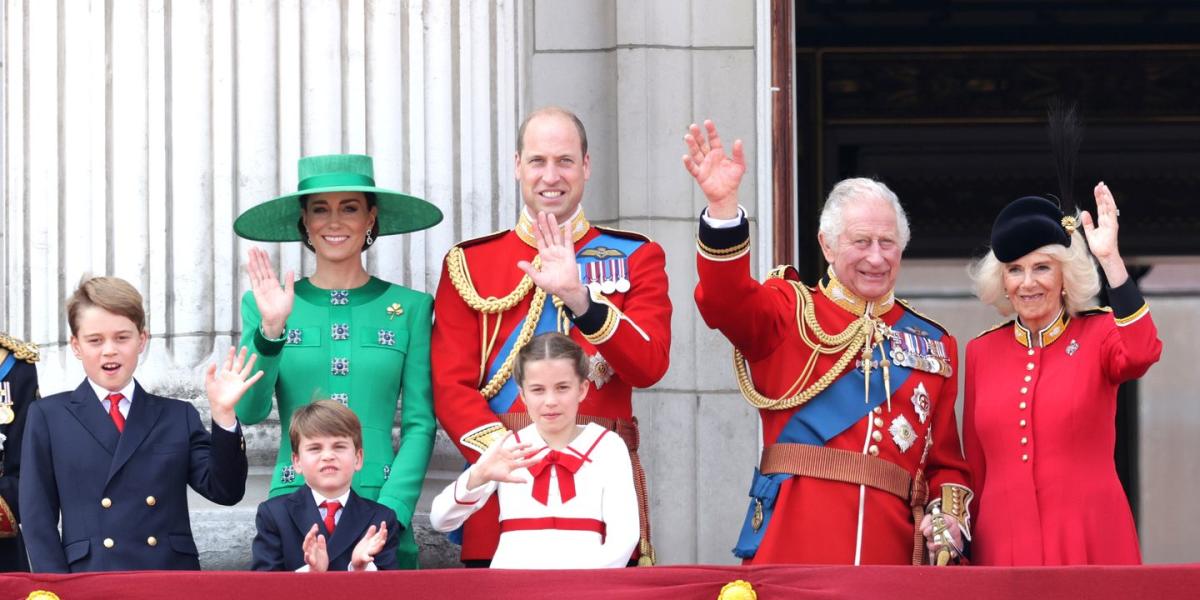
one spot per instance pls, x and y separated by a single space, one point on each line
456 265
848 342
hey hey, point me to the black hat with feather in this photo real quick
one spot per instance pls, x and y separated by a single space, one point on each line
1030 222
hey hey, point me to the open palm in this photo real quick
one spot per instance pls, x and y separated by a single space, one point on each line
274 301
717 173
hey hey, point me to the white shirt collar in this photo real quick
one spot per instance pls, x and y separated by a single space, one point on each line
103 392
319 498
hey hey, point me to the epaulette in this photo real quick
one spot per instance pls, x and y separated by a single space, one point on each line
483 238
914 311
1095 310
785 272
995 328
633 235
26 351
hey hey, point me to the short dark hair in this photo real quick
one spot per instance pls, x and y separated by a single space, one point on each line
553 110
551 346
113 294
371 203
328 418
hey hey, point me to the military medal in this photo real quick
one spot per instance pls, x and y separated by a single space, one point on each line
920 401
919 352
609 285
902 433
593 277
622 275
6 405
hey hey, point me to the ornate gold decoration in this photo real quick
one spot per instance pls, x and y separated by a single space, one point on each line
738 590
394 310
482 437
862 334
42 595
506 368
26 351
456 265
1070 223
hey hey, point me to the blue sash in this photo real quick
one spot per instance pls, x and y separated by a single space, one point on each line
603 247
823 418
7 365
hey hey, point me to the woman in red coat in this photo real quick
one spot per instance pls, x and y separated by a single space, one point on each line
1039 415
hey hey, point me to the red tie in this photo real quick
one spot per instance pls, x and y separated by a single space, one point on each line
331 507
114 411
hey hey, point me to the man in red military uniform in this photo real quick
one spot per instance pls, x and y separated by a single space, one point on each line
606 288
855 390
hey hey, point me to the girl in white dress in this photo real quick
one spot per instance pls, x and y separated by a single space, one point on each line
566 491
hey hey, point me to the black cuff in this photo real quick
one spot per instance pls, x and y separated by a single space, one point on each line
1125 299
592 319
726 237
267 347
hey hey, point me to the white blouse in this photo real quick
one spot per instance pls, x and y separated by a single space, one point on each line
603 492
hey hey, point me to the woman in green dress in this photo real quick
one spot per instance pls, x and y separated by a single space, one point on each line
341 333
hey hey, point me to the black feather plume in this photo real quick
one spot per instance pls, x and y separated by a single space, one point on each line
1066 133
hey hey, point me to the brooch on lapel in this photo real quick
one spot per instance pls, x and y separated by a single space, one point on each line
902 433
394 310
1072 348
288 474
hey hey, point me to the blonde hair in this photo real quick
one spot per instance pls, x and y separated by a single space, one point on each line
1081 281
112 294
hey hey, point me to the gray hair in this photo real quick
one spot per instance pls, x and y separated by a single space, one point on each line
858 189
1080 279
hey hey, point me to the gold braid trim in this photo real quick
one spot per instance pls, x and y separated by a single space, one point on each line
847 342
531 320
456 265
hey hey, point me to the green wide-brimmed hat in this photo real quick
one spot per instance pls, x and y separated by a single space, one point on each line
275 220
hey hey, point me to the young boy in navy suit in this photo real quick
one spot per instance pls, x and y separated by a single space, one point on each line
325 526
113 461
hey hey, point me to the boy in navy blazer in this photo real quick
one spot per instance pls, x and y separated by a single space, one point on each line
113 461
325 526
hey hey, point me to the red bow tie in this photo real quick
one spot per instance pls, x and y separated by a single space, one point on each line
566 465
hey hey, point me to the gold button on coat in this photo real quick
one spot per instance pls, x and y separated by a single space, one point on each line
878 422
1024 458
1029 367
878 410
109 543
1031 351
873 450
1028 378
1024 441
1021 405
150 501
875 435
1022 423
106 502
151 541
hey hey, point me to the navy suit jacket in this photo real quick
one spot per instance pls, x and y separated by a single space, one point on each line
122 496
283 521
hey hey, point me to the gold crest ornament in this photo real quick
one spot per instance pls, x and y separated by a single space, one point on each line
42 595
738 590
394 310
1070 224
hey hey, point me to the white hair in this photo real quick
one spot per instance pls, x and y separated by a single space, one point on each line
1081 281
854 190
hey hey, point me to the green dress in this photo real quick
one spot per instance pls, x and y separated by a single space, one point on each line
364 347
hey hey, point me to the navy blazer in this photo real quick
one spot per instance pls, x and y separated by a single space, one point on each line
21 378
283 521
122 496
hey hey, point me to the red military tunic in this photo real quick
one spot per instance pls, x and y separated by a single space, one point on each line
817 520
1039 431
627 335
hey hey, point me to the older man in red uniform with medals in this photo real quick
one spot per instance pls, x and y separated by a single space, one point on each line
861 460
555 271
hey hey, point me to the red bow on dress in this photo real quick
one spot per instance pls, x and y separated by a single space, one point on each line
566 465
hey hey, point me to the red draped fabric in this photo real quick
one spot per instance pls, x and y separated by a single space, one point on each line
676 583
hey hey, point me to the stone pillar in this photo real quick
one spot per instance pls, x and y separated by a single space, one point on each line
136 131
638 73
